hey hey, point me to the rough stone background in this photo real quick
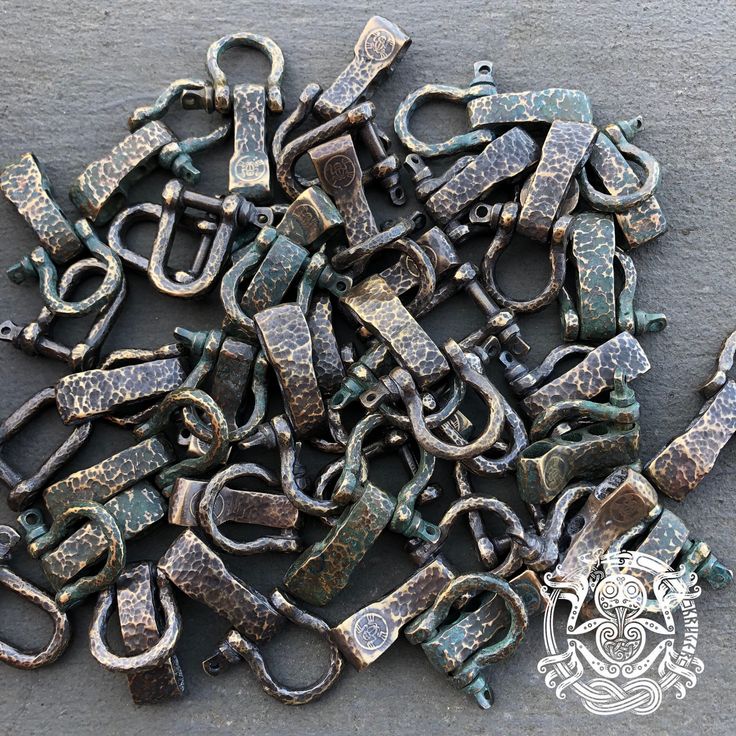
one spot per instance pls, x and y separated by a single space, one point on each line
71 75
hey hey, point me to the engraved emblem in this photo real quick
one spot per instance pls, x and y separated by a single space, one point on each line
371 630
306 220
339 171
379 44
251 167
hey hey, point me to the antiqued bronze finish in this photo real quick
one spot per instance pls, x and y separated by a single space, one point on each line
678 468
373 304
641 223
288 541
110 476
341 176
542 106
25 184
621 134
481 85
135 512
199 573
367 634
232 504
24 491
284 335
154 655
565 151
89 394
35 337
154 674
324 569
40 544
504 220
593 375
236 648
595 312
616 505
249 165
501 162
609 437
10 581
38 265
311 218
462 649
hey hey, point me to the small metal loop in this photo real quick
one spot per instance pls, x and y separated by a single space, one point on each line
208 521
620 134
630 319
354 471
237 647
71 593
146 113
151 658
557 258
481 86
217 450
15 584
222 99
725 363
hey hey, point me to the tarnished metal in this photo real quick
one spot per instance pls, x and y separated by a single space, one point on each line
481 85
681 465
608 437
284 335
102 481
311 218
542 106
324 569
589 378
40 544
501 162
25 184
236 648
199 573
35 338
89 394
462 649
12 582
149 661
23 491
367 634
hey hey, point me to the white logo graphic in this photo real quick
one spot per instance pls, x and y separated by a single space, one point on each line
633 659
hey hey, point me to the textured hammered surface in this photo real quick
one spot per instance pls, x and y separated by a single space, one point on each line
565 151
641 223
284 335
341 177
110 476
328 366
25 184
367 634
593 247
374 305
500 162
135 511
199 573
380 46
678 468
324 569
592 375
250 169
94 189
536 106
88 394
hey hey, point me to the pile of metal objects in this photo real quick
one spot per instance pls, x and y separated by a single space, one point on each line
288 263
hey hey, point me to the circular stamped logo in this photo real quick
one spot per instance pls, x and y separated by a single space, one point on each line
250 168
339 171
629 635
371 630
305 221
379 44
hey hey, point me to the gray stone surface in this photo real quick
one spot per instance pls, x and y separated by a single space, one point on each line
71 75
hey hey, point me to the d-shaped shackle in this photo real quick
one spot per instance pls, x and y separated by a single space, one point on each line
216 95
